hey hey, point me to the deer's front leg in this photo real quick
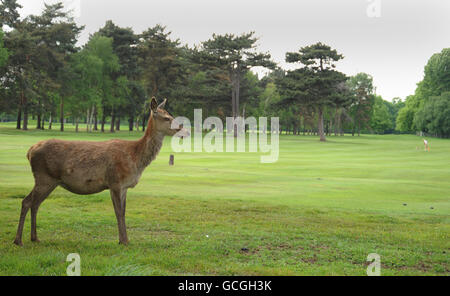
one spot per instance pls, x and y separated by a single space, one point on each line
119 197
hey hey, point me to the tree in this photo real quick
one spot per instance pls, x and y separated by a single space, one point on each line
56 35
87 85
234 56
4 100
158 59
316 84
199 85
249 94
434 116
405 118
20 44
93 86
21 74
136 101
125 48
436 81
361 86
437 75
39 47
9 13
269 96
102 47
394 108
3 51
381 120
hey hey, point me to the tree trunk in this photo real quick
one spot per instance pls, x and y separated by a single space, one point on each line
25 114
39 116
43 122
320 126
336 122
38 123
118 123
233 96
238 88
50 122
91 120
113 119
339 123
61 114
88 120
130 123
88 115
233 101
76 124
95 119
103 120
19 118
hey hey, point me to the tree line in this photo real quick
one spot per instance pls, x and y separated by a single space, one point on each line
109 80
428 109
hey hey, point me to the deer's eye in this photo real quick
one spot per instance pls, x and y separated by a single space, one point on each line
167 119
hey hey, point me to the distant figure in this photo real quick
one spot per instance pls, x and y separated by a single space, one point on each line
427 147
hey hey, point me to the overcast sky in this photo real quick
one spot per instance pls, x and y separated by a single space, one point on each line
393 47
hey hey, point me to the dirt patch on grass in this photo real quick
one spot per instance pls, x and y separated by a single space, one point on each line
310 260
421 266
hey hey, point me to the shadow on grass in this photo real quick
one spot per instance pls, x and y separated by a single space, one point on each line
16 196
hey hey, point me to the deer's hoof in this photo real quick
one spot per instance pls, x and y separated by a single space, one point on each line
36 240
18 243
125 243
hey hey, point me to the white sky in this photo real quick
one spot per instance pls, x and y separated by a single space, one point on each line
393 48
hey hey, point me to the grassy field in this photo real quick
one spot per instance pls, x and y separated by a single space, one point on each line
320 210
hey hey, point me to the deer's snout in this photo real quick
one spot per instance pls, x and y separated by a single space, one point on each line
183 133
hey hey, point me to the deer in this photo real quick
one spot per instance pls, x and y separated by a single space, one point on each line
85 168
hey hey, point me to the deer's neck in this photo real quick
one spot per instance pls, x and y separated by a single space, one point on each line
149 145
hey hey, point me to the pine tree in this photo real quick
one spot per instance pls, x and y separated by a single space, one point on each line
235 56
316 83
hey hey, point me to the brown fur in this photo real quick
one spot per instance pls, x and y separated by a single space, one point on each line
92 167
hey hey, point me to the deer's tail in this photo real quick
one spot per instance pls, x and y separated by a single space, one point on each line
29 153
33 149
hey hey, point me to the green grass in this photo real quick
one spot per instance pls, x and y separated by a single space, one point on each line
320 210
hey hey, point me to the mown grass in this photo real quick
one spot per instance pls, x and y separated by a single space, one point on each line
320 210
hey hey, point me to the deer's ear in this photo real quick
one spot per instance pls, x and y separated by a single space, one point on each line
154 104
163 104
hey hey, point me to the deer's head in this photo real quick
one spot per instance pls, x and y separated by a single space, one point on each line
164 122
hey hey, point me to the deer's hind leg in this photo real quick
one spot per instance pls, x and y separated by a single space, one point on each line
40 195
26 204
42 188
